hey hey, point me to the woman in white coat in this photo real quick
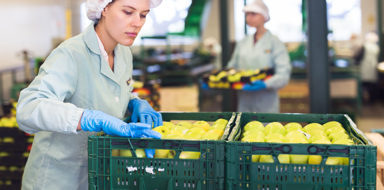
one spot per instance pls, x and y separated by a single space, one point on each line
84 87
259 51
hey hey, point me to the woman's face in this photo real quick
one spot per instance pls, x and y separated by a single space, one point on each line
124 19
254 19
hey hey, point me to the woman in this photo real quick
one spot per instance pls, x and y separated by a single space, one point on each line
89 72
259 51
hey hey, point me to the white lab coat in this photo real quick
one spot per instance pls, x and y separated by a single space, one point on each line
368 65
74 77
268 52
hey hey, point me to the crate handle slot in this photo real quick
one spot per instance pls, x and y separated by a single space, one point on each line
140 143
282 148
315 150
171 144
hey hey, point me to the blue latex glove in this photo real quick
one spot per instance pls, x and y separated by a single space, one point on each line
256 86
205 86
141 109
97 121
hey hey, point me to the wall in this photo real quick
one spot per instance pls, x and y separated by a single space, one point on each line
369 16
29 25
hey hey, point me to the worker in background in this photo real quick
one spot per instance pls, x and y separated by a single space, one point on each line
84 87
259 51
368 67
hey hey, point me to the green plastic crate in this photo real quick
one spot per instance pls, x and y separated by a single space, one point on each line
110 172
243 174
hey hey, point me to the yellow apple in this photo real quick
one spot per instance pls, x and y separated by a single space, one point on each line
126 153
255 158
313 126
217 126
161 129
253 138
275 129
210 136
275 141
332 124
189 155
185 124
273 124
176 132
171 136
169 125
217 131
140 153
253 132
272 136
343 160
315 138
191 136
334 130
197 130
336 136
221 122
266 159
181 129
317 132
292 134
201 124
293 126
115 152
254 125
298 159
316 160
333 161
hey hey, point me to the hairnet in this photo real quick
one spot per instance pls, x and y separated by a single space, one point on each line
371 37
95 7
258 6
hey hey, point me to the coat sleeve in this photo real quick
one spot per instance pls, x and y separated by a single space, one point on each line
282 66
41 106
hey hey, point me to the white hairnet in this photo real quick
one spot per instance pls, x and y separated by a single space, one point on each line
258 6
95 7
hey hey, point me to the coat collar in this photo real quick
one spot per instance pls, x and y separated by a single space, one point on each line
120 65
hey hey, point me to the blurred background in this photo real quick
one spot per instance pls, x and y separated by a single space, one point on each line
183 40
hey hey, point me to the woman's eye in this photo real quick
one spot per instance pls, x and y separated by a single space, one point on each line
143 16
128 13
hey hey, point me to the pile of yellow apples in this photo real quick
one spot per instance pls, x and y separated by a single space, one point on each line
313 133
200 130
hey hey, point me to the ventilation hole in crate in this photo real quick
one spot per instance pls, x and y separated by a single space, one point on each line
193 184
267 168
258 177
185 173
118 171
176 183
185 164
277 177
204 165
341 180
299 178
331 179
313 169
322 179
151 163
353 161
263 177
361 171
258 187
211 164
294 169
331 170
239 184
360 181
286 178
322 170
335 179
361 161
134 162
172 172
185 184
281 168
204 174
286 168
313 179
176 163
263 168
108 171
171 163
241 176
267 177
247 176
318 179
134 182
118 162
168 172
168 163
101 170
294 178
304 169
341 171
331 188
189 173
303 178
281 178
118 181
189 183
258 168
336 170
176 172
299 169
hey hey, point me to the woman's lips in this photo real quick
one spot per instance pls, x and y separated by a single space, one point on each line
131 34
